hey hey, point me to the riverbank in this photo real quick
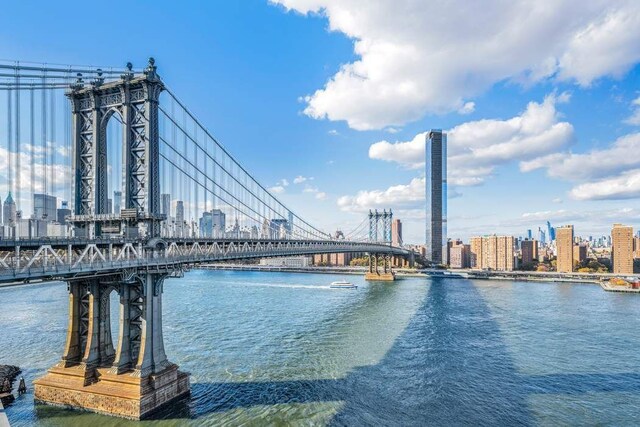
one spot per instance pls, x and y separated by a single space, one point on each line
530 276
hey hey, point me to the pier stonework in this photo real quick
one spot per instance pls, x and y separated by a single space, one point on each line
133 378
375 274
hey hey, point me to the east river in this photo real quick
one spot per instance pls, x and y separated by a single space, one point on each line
285 349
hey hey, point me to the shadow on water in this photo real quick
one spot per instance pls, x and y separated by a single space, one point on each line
450 366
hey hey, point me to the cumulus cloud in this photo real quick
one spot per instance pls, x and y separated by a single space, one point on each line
634 119
398 196
590 165
475 148
624 186
300 179
409 64
276 189
321 195
467 108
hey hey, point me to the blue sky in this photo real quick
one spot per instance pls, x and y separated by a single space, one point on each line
337 90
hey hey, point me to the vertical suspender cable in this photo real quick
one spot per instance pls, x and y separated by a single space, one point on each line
9 144
67 136
32 141
43 134
54 142
17 142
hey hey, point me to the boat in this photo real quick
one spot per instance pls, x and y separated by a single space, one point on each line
342 284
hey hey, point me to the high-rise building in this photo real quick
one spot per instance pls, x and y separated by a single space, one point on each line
278 228
109 206
117 202
475 252
622 249
436 194
206 225
459 255
63 212
9 211
44 207
179 211
541 237
529 234
564 245
579 253
165 204
492 252
396 232
218 223
551 232
636 247
529 250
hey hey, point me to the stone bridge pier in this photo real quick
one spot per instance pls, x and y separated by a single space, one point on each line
375 273
131 378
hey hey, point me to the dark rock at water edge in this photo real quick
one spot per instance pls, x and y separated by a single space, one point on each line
8 374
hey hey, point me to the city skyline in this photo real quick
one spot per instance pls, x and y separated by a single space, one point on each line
545 139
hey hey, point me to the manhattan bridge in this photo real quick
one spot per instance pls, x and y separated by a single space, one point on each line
121 148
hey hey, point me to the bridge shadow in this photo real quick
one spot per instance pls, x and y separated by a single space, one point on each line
450 366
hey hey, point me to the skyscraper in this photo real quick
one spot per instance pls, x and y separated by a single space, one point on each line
44 207
622 249
436 194
218 223
179 211
564 245
165 204
551 232
396 232
117 202
9 211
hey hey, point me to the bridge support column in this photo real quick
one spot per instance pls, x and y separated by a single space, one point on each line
374 273
131 381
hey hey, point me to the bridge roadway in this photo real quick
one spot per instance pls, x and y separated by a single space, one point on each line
68 258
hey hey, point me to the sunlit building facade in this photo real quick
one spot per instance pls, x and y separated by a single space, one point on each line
436 195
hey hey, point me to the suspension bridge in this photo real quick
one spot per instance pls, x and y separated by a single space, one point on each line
146 191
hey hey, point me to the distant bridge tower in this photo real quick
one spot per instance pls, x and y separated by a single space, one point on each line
380 226
134 100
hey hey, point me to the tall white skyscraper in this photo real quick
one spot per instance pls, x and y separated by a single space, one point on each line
436 195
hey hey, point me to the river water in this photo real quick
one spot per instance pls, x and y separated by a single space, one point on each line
285 349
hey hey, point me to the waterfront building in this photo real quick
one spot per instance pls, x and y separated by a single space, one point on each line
117 202
493 252
475 253
44 207
459 256
436 195
622 249
529 251
396 232
636 247
9 215
291 262
579 252
564 245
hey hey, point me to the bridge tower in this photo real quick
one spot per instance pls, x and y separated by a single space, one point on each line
133 377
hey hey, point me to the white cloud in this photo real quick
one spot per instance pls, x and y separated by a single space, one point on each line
475 148
410 64
277 189
467 108
624 186
398 196
309 189
333 132
634 119
392 130
592 165
321 195
283 182
300 179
